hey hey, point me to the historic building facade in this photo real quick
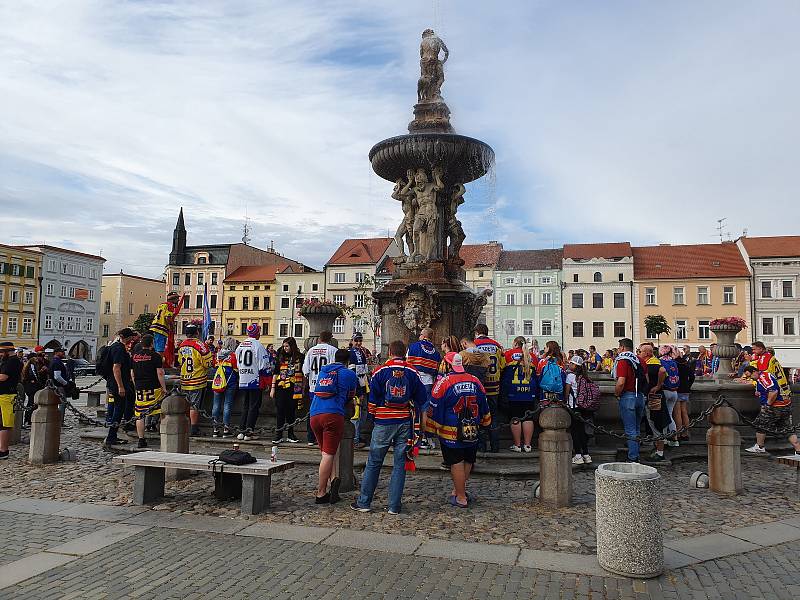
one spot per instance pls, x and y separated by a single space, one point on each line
20 270
123 298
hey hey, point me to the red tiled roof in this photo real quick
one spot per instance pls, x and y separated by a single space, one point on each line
360 251
480 255
586 251
529 260
776 246
696 260
255 273
386 267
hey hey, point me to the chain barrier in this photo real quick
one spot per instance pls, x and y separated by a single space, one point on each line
786 431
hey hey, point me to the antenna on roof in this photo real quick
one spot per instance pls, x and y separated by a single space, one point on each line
722 231
246 231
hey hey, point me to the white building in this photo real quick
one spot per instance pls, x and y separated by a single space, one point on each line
291 289
69 316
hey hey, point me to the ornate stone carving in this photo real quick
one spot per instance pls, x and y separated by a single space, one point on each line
418 307
431 77
472 309
402 192
454 230
426 220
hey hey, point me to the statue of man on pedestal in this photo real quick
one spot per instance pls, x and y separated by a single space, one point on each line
431 77
427 217
402 192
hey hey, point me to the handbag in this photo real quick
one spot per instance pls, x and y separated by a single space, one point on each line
654 401
236 457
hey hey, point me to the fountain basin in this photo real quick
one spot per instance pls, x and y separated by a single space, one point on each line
462 159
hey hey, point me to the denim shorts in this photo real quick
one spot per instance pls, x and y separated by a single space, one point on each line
683 396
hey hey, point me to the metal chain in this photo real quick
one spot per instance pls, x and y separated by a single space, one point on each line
786 431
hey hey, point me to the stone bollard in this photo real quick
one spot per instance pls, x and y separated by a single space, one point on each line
92 399
174 431
19 416
45 428
555 457
724 452
344 458
628 511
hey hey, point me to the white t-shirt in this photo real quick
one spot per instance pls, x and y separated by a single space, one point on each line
572 382
317 357
251 357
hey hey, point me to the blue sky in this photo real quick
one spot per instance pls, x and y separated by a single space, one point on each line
610 121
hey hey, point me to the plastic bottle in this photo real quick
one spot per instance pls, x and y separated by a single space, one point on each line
274 454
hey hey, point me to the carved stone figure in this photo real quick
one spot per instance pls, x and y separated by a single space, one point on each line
472 310
427 216
402 192
431 77
418 307
454 229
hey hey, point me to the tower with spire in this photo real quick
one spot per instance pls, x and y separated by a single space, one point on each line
177 256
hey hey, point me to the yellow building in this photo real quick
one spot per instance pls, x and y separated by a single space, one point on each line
20 270
249 297
123 298
690 286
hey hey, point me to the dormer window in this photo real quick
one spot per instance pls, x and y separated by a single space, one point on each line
201 258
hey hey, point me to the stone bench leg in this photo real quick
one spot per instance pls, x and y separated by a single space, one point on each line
148 484
93 399
255 493
227 486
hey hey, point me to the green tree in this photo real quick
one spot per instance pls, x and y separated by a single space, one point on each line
142 322
655 325
367 309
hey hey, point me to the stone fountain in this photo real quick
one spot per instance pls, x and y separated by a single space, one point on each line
429 167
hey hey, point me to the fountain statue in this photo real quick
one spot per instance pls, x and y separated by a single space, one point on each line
429 167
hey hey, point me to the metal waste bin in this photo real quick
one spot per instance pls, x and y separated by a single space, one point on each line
629 537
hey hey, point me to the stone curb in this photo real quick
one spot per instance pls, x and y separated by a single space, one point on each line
678 553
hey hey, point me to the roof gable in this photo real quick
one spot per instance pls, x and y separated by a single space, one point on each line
529 260
589 251
480 255
778 246
360 251
689 261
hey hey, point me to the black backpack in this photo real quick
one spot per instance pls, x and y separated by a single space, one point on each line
101 363
236 457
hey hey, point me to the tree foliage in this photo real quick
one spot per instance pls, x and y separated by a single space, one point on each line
142 322
656 325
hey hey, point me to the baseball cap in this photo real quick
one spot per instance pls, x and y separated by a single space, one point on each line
7 346
358 336
576 360
253 330
39 349
191 328
173 295
454 358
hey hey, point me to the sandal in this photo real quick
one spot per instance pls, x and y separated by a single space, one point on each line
456 503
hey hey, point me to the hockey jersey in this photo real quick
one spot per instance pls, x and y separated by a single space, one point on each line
395 388
424 357
515 386
766 362
451 395
254 363
317 357
162 322
195 360
358 363
496 363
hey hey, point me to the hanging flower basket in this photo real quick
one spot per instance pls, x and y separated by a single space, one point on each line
320 307
728 324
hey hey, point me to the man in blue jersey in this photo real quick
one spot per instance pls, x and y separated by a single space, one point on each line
425 358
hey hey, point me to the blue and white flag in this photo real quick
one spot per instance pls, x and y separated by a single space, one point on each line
206 313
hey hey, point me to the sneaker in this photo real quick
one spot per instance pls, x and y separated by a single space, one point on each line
142 443
358 508
423 445
226 433
391 511
275 442
756 449
515 448
587 460
240 436
672 443
215 433
311 444
577 459
247 438
116 442
432 444
291 440
527 449
655 456
4 455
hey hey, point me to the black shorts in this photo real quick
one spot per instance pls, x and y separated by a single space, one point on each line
517 410
453 456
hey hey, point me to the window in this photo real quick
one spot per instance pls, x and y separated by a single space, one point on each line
265 328
620 277
650 296
766 326
71 292
577 329
766 289
232 288
619 300
338 277
597 277
2 294
64 291
266 302
256 302
598 329
480 273
575 278
230 327
338 325
703 330
577 300
619 329
50 290
298 302
198 301
527 280
77 323
107 308
130 308
245 303
283 330
680 329
28 297
511 326
314 287
788 326
597 300
91 296
61 321
245 287
527 298
232 303
510 300
64 268
89 324
12 325
285 287
547 327
728 295
547 297
187 279
70 323
284 302
201 277
186 301
359 325
146 308
15 270
702 295
677 295
105 330
201 260
360 277
244 329
93 273
338 299
52 265
212 299
358 301
527 328
214 278
788 289
27 325
48 323
30 272
546 280
508 281
298 330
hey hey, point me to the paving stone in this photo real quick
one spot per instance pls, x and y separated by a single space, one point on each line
676 560
580 564
768 534
504 555
202 523
150 517
403 544
294 533
20 570
99 539
707 547
100 512
36 506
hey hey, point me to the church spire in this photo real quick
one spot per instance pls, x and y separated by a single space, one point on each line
177 256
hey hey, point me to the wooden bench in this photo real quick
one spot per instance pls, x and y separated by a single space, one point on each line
250 482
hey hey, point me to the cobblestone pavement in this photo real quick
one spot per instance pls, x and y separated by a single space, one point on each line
504 512
173 564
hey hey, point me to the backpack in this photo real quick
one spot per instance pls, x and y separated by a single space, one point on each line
587 396
328 383
673 376
236 457
220 382
101 364
398 389
552 379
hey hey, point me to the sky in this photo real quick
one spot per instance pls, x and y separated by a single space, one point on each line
610 121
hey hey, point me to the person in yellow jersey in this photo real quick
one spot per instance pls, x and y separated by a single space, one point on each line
163 322
194 359
497 363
